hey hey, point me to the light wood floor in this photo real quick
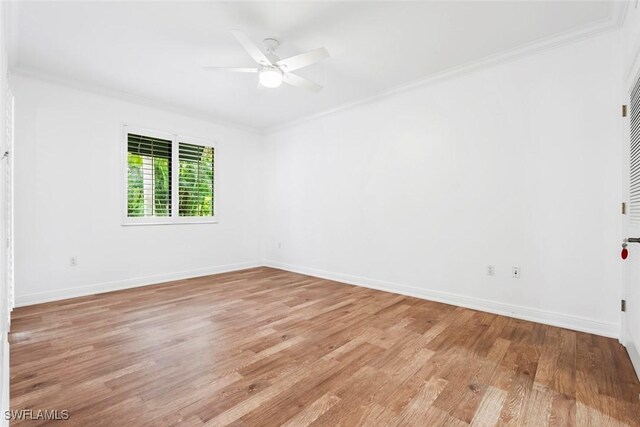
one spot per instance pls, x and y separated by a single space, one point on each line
267 347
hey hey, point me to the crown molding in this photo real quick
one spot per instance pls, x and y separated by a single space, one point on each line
618 13
127 97
614 22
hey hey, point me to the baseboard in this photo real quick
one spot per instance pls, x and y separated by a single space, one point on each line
634 354
576 323
60 294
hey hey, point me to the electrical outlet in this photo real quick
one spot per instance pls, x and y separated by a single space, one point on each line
491 270
516 272
73 261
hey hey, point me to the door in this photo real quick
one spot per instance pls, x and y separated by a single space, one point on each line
630 334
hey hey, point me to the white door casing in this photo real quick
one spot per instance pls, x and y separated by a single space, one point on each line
8 203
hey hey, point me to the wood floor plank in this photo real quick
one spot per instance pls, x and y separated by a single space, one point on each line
313 411
490 408
264 347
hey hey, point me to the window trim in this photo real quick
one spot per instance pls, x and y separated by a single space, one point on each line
175 218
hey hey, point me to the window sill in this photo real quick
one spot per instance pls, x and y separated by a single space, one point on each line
182 221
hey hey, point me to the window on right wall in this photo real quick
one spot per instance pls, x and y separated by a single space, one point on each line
170 178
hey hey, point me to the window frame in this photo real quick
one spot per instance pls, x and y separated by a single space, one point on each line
175 139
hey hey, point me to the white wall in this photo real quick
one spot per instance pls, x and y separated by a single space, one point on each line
513 165
69 202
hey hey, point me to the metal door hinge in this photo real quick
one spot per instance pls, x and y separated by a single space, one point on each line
624 111
623 208
623 305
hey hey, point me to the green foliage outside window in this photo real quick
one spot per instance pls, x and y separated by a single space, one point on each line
159 193
149 179
196 180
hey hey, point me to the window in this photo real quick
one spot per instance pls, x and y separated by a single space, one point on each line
169 178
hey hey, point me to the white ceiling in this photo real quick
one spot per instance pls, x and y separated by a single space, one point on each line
155 50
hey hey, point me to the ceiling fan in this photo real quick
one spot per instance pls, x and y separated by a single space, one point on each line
272 70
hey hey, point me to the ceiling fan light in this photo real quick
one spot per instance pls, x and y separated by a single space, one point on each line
270 77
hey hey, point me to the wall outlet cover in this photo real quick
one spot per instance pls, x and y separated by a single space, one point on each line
491 270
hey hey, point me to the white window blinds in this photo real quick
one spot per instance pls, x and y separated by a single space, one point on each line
149 176
196 181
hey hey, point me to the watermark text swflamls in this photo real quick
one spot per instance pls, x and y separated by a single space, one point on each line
37 414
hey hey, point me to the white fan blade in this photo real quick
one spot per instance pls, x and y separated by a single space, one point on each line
235 70
251 48
298 81
304 59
